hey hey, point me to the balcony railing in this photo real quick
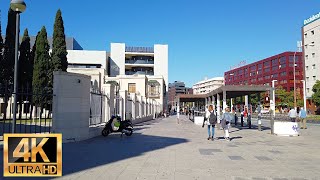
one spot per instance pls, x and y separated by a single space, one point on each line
153 95
140 49
131 61
139 72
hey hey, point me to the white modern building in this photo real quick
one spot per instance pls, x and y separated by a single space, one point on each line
207 85
149 61
311 51
92 63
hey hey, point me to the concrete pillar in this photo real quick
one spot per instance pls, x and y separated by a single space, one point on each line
141 106
231 104
224 101
123 103
144 107
218 106
109 91
246 100
178 108
213 100
133 98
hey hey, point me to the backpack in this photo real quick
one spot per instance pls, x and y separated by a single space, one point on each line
212 118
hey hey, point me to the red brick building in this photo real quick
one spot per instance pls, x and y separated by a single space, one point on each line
278 67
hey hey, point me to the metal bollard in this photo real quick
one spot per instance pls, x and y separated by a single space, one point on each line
235 119
259 122
241 120
249 121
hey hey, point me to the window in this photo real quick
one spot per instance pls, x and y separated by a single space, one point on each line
275 62
313 54
283 74
307 67
306 56
308 90
312 32
314 78
132 88
313 66
307 78
305 35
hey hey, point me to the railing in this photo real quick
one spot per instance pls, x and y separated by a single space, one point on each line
140 49
153 95
131 61
139 72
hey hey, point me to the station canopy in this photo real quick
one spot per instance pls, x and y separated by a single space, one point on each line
232 91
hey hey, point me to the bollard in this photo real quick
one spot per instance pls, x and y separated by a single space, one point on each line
235 119
259 122
241 120
272 121
249 121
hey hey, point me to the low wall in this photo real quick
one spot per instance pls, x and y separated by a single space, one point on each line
140 120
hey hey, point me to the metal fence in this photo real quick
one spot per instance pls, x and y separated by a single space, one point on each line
34 112
97 106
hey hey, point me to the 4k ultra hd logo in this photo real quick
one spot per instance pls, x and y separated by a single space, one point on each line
32 155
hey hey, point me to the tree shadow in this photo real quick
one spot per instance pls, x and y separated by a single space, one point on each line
99 151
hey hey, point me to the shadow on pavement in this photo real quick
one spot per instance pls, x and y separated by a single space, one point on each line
84 155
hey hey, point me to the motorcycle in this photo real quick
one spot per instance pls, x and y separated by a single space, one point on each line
115 124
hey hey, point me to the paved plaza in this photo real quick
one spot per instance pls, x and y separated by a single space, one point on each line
163 149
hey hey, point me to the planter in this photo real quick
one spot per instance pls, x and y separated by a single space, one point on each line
286 128
198 120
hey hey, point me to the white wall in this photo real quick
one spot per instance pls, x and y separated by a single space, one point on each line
161 62
87 57
308 50
71 106
96 74
117 59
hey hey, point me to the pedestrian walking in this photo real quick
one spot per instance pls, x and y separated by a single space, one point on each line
303 118
225 123
210 121
292 114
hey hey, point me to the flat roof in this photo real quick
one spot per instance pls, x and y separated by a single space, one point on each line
238 90
191 97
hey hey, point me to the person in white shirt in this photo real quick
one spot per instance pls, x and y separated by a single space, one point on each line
292 114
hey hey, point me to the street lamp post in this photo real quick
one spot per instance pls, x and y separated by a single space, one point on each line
17 6
273 106
273 98
294 74
304 95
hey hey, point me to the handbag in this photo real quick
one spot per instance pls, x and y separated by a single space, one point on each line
203 122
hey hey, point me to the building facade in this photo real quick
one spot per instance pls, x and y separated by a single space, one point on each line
176 88
207 85
149 61
311 52
278 67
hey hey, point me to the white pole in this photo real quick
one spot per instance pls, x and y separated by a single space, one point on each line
273 99
304 95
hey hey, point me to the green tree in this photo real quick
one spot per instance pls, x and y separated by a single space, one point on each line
9 50
24 62
316 93
7 62
24 69
41 69
1 58
59 47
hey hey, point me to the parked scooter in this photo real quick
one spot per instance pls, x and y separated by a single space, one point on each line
115 124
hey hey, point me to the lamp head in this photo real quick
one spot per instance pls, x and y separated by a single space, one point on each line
18 6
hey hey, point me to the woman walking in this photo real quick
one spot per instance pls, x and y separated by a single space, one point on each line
225 123
211 120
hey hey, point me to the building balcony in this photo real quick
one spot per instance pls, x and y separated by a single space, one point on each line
139 72
140 49
146 61
153 95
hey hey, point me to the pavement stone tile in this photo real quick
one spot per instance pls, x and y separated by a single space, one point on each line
263 158
236 158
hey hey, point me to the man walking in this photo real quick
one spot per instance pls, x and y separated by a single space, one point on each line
292 114
303 118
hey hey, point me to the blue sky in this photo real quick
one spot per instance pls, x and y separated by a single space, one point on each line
205 37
